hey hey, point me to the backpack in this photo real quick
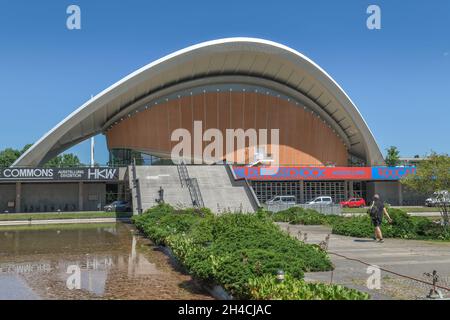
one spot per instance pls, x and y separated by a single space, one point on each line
373 210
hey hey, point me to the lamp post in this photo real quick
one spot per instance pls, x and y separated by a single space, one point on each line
280 276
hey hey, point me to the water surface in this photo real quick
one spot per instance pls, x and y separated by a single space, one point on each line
89 261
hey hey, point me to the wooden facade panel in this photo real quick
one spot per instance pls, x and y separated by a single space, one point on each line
237 110
304 138
173 119
211 107
250 111
261 111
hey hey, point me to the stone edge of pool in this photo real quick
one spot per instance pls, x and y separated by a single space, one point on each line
61 221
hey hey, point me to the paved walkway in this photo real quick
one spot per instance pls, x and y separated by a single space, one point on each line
408 257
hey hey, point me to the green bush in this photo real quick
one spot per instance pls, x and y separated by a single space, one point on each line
267 287
403 226
163 220
298 215
231 248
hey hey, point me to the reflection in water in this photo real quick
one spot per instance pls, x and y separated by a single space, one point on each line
105 261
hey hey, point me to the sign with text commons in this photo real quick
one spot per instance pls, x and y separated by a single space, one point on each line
59 174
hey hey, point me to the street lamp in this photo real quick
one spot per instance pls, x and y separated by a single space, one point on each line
280 275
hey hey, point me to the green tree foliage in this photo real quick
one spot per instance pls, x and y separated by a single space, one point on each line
25 148
230 249
8 156
68 160
433 176
392 157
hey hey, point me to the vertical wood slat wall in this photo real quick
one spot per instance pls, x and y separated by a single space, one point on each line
304 138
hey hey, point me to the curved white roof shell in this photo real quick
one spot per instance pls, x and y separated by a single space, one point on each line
239 57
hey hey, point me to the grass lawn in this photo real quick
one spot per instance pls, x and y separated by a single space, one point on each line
62 215
407 209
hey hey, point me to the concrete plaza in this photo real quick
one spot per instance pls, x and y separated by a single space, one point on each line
410 258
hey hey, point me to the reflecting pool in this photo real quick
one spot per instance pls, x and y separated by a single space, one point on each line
88 261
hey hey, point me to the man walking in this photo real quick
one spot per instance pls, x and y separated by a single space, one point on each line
377 211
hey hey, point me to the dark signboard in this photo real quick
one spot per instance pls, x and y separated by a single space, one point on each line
59 174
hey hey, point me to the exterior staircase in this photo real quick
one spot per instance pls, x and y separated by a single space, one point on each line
185 186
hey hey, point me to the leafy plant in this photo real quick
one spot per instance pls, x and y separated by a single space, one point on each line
433 176
231 248
392 156
267 287
403 226
298 215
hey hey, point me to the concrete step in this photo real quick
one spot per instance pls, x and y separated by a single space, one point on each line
218 189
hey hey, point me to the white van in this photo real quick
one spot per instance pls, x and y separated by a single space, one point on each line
291 200
323 200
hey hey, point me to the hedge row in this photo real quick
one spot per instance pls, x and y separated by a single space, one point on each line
240 252
403 226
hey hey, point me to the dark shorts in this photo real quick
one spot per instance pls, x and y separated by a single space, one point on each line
377 220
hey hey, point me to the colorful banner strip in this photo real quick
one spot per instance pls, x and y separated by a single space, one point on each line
322 173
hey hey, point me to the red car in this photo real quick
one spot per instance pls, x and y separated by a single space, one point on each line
353 203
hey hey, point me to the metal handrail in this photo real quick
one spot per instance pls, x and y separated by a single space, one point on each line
196 195
191 184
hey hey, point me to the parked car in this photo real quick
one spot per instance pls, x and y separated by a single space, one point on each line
438 198
322 200
291 200
353 203
118 206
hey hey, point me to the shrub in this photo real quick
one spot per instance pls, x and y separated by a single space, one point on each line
298 215
267 287
163 220
231 248
403 226
354 226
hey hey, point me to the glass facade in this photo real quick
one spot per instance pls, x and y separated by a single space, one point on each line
334 189
305 191
126 157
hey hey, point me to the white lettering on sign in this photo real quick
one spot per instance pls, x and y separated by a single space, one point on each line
58 174
101 174
28 173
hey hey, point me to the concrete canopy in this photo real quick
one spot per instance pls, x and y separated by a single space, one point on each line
253 58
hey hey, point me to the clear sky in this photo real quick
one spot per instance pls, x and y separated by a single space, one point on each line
399 76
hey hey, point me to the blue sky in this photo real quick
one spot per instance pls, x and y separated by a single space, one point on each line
399 76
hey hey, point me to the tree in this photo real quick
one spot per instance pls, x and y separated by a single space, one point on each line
68 160
392 157
25 148
433 177
8 156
